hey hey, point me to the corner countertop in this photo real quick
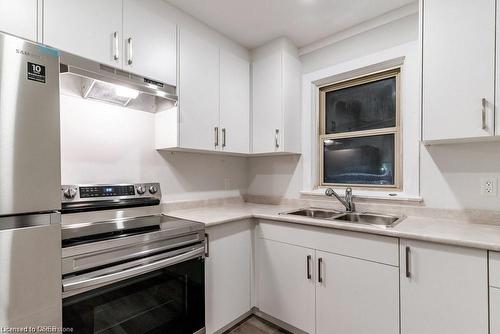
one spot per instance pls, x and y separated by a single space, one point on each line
447 231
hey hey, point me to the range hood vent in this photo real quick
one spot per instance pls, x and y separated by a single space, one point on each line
112 85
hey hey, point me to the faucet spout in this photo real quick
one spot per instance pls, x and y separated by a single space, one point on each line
347 201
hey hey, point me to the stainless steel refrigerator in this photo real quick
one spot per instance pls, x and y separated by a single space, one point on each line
30 177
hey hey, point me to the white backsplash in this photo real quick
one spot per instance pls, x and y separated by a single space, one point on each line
103 143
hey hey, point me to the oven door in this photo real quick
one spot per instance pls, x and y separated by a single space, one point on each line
159 294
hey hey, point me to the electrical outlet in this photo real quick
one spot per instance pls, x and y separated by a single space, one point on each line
489 186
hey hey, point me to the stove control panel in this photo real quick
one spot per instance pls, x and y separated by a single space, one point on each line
76 193
106 191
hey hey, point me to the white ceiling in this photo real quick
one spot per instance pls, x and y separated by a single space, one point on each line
253 22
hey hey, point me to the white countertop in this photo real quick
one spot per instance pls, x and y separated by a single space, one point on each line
439 230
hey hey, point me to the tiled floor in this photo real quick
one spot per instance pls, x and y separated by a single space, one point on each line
256 325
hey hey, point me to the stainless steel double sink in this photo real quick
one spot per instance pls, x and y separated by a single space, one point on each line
364 218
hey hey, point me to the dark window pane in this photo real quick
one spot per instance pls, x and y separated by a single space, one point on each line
360 160
363 107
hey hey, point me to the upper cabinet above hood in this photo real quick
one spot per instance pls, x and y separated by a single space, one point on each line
105 83
132 43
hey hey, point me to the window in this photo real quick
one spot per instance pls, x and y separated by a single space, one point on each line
360 132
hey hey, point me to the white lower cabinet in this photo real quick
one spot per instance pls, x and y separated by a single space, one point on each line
356 296
324 292
323 281
228 273
494 271
284 289
444 289
494 310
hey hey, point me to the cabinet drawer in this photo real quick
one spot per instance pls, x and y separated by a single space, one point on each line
365 246
495 269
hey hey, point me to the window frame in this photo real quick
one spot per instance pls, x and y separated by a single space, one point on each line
396 130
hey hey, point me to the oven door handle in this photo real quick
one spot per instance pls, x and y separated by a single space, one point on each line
72 284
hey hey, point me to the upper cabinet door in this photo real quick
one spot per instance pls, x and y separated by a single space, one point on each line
234 103
458 68
267 104
198 93
90 28
444 289
19 18
150 40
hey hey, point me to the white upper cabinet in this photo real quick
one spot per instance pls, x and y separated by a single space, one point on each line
91 28
234 103
444 289
19 18
458 69
267 104
132 35
198 93
356 296
213 109
276 118
149 40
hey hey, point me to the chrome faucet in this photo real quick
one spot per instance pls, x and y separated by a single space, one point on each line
346 201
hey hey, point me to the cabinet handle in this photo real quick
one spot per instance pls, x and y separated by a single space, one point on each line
130 56
276 138
320 278
483 114
207 247
407 259
223 137
308 265
116 49
216 134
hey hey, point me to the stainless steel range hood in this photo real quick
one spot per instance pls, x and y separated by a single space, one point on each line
105 83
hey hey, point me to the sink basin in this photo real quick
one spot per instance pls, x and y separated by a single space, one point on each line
369 219
365 218
315 213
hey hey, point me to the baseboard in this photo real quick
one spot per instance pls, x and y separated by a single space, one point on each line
234 322
255 310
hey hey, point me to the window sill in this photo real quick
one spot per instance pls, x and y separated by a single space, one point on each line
370 195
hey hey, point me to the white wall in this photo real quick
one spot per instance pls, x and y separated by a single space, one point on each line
449 174
362 50
103 143
384 37
185 21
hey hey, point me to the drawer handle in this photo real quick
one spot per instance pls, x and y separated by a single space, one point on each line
308 265
320 277
407 259
207 245
116 54
276 138
483 114
130 56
